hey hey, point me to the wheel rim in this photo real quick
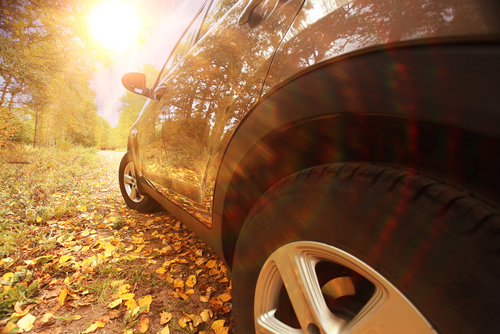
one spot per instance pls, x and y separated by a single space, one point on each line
294 268
130 183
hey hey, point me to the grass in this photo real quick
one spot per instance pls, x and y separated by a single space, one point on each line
39 185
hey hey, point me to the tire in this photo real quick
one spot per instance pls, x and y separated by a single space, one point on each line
365 248
128 186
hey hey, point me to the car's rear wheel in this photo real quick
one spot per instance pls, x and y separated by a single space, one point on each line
127 178
364 248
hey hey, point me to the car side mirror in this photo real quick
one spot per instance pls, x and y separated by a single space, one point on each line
136 83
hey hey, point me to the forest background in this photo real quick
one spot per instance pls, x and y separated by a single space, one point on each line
48 59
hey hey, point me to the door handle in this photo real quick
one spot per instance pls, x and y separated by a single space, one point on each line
257 11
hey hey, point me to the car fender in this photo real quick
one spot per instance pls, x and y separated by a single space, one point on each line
431 105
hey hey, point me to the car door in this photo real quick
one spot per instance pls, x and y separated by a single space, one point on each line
210 90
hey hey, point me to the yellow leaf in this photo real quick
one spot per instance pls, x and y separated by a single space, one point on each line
165 317
92 328
76 317
62 296
8 328
161 271
165 330
206 315
182 323
115 303
84 208
26 322
223 280
146 300
217 324
64 259
221 330
85 233
210 264
143 325
189 292
127 296
178 283
225 297
213 272
123 289
204 299
38 219
191 281
131 304
100 323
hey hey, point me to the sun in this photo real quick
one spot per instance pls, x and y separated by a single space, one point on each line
115 24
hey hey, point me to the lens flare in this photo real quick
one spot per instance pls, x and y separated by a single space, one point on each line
115 24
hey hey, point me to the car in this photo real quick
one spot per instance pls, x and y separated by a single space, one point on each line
341 156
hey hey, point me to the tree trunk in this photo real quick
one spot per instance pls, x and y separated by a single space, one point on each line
36 127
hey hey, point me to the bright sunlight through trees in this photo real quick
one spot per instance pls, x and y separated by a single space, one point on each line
115 24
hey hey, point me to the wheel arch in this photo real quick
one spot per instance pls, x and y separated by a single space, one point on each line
407 104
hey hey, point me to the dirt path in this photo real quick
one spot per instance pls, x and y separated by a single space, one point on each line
115 258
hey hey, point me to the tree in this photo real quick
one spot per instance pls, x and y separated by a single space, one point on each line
132 106
47 60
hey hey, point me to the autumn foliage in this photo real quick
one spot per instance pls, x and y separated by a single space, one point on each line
75 259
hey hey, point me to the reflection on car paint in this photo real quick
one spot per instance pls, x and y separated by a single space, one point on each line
211 89
326 29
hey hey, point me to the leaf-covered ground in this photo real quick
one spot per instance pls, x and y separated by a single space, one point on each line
77 260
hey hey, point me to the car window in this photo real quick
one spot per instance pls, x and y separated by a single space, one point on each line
217 10
187 41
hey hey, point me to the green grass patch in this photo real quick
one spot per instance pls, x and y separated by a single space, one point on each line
39 185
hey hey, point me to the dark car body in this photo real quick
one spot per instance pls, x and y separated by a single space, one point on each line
253 96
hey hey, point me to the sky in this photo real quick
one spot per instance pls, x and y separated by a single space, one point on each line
167 19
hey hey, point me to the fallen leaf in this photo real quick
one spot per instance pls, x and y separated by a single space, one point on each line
225 297
191 281
210 264
9 328
165 330
26 322
64 259
46 317
165 317
143 325
131 304
182 323
221 330
114 314
91 328
62 296
115 303
127 296
161 271
178 283
218 323
206 315
145 301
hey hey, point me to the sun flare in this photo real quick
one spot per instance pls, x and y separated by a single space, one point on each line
115 24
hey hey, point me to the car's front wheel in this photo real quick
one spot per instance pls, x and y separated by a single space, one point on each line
127 178
364 248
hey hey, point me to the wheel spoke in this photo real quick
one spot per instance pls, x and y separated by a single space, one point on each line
133 193
293 265
299 276
128 179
